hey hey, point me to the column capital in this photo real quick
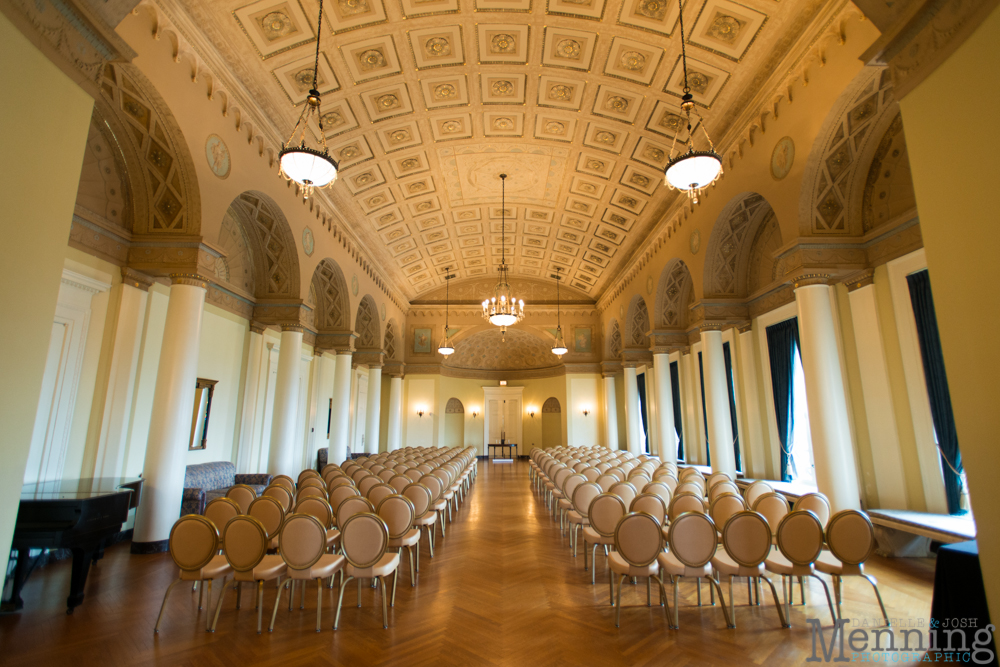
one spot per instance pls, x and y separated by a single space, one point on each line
636 356
257 327
743 328
860 279
610 368
808 279
371 357
136 279
283 313
193 279
393 369
293 327
342 342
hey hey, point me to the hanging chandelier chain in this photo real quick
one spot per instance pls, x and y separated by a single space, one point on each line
503 219
680 4
319 35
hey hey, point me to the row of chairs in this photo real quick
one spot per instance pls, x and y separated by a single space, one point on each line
690 529
292 531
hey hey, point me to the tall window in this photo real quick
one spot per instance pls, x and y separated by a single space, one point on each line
641 385
800 466
675 384
731 383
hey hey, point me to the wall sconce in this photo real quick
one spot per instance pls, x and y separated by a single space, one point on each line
475 412
421 410
586 411
531 411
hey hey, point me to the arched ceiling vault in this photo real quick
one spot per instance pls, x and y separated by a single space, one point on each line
426 102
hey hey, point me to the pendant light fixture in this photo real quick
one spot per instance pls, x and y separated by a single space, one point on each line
691 171
503 309
445 348
307 166
559 348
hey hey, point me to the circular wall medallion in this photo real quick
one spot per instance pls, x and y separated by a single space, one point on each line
217 155
695 242
649 285
383 312
782 158
308 242
354 285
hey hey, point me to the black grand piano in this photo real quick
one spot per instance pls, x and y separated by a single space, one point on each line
77 514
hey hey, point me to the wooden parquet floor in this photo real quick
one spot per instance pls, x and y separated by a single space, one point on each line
503 589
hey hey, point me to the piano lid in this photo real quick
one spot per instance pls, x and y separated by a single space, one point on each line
65 489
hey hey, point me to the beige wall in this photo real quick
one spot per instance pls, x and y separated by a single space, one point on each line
38 191
954 179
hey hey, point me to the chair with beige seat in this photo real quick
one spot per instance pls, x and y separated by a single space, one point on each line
281 494
194 548
307 491
364 541
566 504
651 504
365 485
725 507
425 518
242 495
303 542
755 491
399 513
626 490
578 517
690 487
339 480
660 489
220 510
245 543
271 515
817 503
746 542
310 480
685 502
319 508
400 482
722 488
285 481
851 538
351 506
692 544
774 508
379 492
800 542
638 543
605 511
438 504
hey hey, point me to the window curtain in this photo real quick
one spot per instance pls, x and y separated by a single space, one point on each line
782 340
728 355
937 387
675 390
704 410
642 409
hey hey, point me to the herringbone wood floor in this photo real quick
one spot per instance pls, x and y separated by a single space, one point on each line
503 589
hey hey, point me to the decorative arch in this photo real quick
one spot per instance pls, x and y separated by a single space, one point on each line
236 268
887 192
763 267
105 189
332 300
614 339
454 407
272 245
392 346
551 405
851 131
728 253
637 327
674 295
366 325
162 178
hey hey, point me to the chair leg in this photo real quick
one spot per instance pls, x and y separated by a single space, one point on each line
774 595
218 606
871 580
163 604
359 590
395 578
714 585
593 565
732 599
201 590
239 594
663 596
618 607
802 591
319 603
260 604
611 584
385 611
340 601
649 592
277 601
829 601
677 606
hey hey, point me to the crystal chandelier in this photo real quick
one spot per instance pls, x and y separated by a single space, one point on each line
309 167
503 309
445 347
692 171
559 348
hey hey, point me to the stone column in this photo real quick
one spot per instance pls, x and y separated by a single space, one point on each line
256 352
394 438
652 405
170 418
286 402
666 433
610 412
324 389
374 408
340 420
833 452
720 425
632 419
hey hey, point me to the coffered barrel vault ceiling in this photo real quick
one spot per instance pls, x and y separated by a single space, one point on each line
426 102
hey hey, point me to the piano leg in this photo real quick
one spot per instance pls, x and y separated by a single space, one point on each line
81 568
22 568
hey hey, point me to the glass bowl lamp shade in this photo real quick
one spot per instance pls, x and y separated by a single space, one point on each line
308 167
446 348
559 348
693 171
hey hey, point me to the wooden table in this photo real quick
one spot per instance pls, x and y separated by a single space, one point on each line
509 446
